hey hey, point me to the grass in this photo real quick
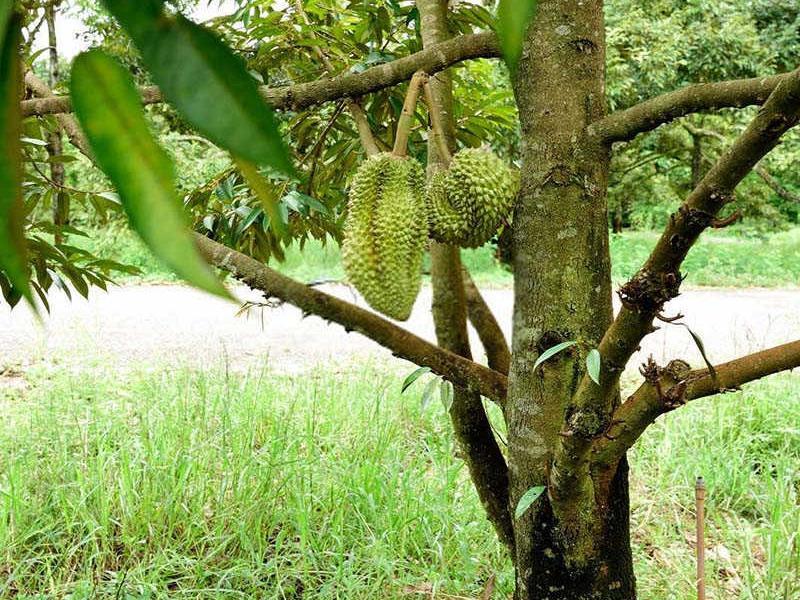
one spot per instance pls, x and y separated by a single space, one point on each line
720 259
187 484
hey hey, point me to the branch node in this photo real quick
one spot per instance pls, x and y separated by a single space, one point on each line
648 291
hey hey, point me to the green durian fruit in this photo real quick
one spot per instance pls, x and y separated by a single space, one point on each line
467 202
385 233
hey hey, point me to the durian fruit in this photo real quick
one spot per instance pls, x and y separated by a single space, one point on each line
467 202
385 233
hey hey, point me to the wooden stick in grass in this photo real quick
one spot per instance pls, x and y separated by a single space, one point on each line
700 498
407 116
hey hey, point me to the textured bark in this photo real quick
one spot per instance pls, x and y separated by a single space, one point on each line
351 85
473 431
460 370
626 124
562 292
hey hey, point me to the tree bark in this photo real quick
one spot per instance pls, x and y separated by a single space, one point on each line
562 293
349 85
472 428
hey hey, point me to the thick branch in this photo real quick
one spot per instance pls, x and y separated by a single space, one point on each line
402 343
673 388
351 85
644 296
485 323
626 124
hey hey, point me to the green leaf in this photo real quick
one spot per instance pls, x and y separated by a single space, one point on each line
513 18
138 17
527 499
446 395
593 365
702 348
416 374
13 249
108 108
427 393
550 352
207 83
6 12
267 197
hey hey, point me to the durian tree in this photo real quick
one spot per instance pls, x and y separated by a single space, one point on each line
557 495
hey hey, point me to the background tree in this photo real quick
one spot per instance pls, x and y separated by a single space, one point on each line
558 497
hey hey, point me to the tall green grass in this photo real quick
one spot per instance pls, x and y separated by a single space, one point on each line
186 484
719 259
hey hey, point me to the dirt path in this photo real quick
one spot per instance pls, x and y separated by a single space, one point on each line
140 326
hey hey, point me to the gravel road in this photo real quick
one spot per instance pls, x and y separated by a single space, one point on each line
155 325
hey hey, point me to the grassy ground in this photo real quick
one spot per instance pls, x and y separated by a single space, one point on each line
206 485
719 259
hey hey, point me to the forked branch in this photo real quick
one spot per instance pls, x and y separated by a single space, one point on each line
673 386
659 280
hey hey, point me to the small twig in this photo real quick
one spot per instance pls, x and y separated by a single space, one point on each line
406 117
359 116
437 126
64 188
700 498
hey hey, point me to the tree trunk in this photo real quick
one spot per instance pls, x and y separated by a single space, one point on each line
562 293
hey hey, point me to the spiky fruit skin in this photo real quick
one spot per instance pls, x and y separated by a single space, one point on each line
466 204
385 233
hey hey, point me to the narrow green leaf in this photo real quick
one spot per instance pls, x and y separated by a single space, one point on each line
416 374
513 18
108 108
266 196
13 250
427 393
6 10
137 17
702 348
446 395
593 365
207 83
550 352
527 499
